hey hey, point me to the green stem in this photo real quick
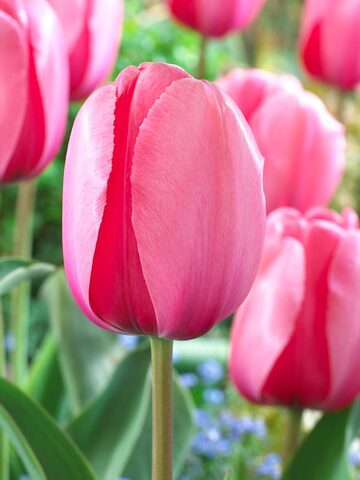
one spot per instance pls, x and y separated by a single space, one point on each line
341 106
4 445
25 204
249 47
202 57
292 434
162 409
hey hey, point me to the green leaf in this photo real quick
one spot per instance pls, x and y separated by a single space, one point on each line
183 433
47 452
88 355
323 454
45 382
14 271
108 429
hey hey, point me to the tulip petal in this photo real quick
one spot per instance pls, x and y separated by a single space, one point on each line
309 143
13 86
87 170
307 350
265 323
51 70
343 326
340 28
196 189
118 293
98 46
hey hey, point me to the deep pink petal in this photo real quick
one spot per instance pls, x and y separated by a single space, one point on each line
13 86
265 323
343 325
196 190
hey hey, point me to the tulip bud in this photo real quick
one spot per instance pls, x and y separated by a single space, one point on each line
215 18
330 41
303 145
296 339
163 213
92 30
33 88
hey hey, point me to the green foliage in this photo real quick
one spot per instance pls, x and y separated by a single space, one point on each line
46 451
87 354
323 455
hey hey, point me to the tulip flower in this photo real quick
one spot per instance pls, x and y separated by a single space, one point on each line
330 41
302 143
215 18
33 88
92 30
163 213
296 339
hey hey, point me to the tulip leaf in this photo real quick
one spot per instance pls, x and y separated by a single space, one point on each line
45 382
323 454
87 354
183 433
14 271
108 429
46 451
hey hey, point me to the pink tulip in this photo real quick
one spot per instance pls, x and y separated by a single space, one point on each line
303 145
93 31
33 88
215 18
163 213
330 41
296 339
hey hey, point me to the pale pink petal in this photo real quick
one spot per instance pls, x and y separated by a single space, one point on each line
87 170
51 69
304 150
250 87
99 44
71 15
196 190
265 323
343 325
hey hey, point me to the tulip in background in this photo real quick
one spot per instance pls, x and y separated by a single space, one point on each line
33 88
330 41
215 18
296 339
303 145
92 30
163 216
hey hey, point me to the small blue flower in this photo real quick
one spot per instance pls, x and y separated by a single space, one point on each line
9 342
211 371
129 342
24 477
214 396
203 418
189 379
354 458
270 467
